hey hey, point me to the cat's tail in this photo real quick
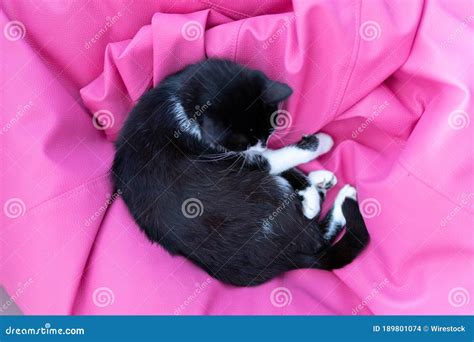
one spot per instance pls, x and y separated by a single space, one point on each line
351 244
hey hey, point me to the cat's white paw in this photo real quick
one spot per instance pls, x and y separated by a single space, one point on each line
322 179
337 219
310 202
347 191
325 143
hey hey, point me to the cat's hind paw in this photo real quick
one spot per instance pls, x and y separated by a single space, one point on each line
322 179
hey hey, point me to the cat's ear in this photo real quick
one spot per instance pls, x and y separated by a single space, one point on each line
275 92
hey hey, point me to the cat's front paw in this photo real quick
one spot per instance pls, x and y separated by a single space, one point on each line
320 142
325 142
308 142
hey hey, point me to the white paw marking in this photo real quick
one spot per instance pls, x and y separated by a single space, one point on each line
325 143
322 179
254 151
347 191
311 204
287 158
291 156
338 219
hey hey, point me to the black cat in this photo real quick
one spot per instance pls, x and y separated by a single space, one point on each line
193 168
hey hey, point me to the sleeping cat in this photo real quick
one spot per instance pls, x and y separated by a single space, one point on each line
193 168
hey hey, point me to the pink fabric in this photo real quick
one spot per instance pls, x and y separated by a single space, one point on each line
391 81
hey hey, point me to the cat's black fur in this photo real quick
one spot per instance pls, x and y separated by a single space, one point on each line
160 164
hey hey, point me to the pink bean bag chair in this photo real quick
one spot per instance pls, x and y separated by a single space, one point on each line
391 81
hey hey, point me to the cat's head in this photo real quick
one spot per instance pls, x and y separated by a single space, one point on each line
240 105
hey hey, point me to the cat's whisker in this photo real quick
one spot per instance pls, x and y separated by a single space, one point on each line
239 157
243 163
212 159
215 157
